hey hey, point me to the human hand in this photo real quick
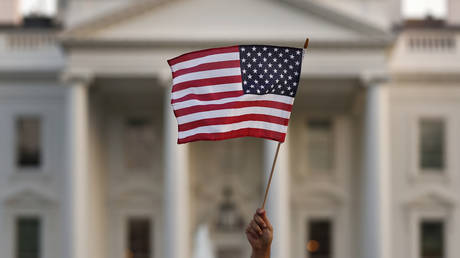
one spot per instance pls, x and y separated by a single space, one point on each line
260 234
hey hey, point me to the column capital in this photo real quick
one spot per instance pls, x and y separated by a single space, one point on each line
165 78
371 78
84 77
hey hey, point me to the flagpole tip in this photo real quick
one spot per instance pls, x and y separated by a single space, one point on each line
305 46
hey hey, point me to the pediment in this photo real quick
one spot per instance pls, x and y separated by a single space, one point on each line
430 197
137 193
224 21
29 196
320 194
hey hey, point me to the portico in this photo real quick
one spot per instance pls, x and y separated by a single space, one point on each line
172 192
113 69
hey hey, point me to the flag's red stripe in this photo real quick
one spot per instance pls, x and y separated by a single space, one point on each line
206 82
211 96
233 119
202 53
208 66
253 132
236 104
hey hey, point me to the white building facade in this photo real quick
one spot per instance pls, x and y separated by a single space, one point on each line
91 168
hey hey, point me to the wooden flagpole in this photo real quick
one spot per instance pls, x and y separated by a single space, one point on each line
271 175
305 46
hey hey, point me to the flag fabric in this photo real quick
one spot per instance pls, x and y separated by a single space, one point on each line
236 91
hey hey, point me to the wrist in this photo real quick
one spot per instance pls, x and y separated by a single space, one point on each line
261 253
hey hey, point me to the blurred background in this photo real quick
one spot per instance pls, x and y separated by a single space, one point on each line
90 167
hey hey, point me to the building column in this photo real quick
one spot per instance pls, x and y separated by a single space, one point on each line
177 192
278 208
375 192
78 170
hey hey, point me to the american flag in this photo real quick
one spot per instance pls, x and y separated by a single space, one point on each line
237 91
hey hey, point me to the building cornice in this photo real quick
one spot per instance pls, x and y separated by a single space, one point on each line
30 75
81 35
114 17
370 42
338 17
424 77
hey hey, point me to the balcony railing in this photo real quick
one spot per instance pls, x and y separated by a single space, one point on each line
432 42
27 40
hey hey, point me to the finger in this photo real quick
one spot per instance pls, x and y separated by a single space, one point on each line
263 214
248 233
256 227
260 211
252 232
260 221
250 236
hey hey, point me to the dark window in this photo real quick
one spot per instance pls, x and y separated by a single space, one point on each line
28 142
432 239
432 144
28 238
139 238
320 144
319 243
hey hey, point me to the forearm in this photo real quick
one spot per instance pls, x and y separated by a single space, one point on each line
261 254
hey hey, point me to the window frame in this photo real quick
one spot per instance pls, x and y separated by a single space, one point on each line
337 125
42 167
427 213
338 230
413 148
419 146
443 224
53 136
16 234
116 153
333 138
151 232
40 206
308 228
118 221
137 170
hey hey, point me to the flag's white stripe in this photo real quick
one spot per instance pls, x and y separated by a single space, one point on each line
245 97
206 59
234 126
233 112
207 74
207 90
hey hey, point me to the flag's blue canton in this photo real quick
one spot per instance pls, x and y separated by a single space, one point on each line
270 69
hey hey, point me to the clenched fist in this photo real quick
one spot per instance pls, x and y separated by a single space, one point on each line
260 234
